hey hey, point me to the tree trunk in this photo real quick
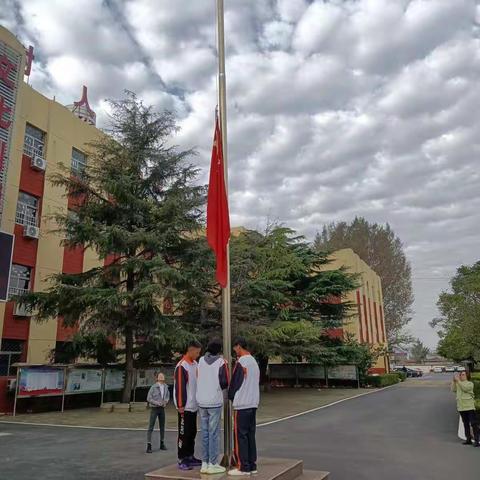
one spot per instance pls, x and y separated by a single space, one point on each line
127 389
262 365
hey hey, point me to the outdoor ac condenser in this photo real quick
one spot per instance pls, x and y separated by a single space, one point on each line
31 231
21 311
38 163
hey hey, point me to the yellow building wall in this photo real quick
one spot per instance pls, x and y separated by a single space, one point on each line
63 131
370 289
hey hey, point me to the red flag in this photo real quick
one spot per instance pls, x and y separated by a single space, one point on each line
218 222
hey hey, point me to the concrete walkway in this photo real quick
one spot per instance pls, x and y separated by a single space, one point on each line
401 433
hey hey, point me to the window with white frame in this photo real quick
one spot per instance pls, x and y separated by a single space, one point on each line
79 162
27 209
34 142
19 280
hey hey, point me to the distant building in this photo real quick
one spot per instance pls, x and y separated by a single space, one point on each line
366 322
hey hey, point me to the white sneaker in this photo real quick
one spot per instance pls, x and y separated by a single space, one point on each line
216 469
254 472
205 467
238 473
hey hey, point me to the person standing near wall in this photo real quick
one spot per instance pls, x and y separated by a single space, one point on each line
244 391
185 393
158 397
466 407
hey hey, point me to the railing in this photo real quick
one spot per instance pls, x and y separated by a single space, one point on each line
33 146
14 291
25 215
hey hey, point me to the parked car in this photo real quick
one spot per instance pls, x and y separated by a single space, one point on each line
460 368
450 368
437 369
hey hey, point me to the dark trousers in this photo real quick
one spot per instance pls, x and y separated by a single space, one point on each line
187 431
245 452
469 419
156 412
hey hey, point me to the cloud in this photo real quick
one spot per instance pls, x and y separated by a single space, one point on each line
336 108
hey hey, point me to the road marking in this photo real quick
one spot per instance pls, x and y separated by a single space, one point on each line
316 409
4 434
265 424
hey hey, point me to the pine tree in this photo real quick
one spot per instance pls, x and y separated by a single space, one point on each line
139 209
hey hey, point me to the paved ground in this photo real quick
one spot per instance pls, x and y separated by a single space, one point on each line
275 404
405 432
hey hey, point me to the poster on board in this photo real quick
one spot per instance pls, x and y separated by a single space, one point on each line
40 381
84 380
342 372
145 378
114 379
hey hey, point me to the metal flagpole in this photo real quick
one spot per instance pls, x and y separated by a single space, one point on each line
226 321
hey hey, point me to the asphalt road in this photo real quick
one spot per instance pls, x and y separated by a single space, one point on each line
402 433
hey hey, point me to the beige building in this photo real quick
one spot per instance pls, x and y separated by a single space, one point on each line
37 136
367 321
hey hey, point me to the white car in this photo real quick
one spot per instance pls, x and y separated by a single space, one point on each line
437 370
459 368
450 368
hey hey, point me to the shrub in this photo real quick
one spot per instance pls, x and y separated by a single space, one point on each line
477 405
476 388
384 380
401 375
475 376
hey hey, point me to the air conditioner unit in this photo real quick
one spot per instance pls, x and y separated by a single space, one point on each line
31 231
11 384
38 163
21 311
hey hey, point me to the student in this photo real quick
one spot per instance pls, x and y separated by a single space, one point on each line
158 397
466 407
211 381
185 391
244 391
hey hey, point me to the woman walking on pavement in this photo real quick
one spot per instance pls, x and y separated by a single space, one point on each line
462 386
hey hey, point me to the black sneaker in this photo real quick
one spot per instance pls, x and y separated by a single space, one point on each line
163 446
149 448
476 444
467 442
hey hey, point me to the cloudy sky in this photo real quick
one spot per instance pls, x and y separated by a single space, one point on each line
337 108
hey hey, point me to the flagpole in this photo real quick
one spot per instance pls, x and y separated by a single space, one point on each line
226 321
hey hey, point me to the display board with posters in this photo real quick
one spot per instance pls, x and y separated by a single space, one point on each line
342 372
114 379
145 378
40 381
84 380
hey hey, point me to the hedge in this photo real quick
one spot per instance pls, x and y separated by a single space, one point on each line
384 380
476 388
401 375
475 376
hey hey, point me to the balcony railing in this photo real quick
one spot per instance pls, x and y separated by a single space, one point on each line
33 146
25 216
14 291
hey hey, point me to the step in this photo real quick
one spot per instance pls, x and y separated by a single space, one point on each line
314 475
268 469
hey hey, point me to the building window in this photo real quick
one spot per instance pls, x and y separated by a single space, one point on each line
11 352
34 142
19 280
79 163
27 209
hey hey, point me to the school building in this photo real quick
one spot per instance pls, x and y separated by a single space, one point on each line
366 321
37 136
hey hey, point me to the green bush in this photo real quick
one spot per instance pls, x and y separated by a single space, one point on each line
476 388
477 405
475 376
384 380
401 375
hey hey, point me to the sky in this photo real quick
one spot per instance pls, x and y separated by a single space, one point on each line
336 108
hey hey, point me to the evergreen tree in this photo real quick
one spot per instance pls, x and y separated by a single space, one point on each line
139 210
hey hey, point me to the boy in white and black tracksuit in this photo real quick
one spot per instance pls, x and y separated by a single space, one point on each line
244 391
184 394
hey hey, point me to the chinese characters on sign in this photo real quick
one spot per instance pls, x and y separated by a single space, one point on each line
10 62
